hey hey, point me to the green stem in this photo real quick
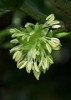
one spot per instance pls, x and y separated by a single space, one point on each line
29 10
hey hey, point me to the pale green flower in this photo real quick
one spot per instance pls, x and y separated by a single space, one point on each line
29 66
15 41
17 55
34 45
36 74
49 48
50 17
36 68
56 26
50 21
21 64
54 42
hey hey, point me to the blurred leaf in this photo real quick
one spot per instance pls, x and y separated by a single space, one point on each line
3 12
10 4
3 34
8 45
62 34
63 5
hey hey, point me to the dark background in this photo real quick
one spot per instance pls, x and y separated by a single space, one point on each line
16 84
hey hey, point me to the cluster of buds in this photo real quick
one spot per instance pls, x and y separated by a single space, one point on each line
34 45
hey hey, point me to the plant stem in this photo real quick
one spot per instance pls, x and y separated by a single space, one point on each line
29 10
63 5
40 17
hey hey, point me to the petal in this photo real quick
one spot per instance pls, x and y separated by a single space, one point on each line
21 64
54 42
14 41
17 55
45 64
36 74
56 26
48 48
29 66
49 57
36 68
50 17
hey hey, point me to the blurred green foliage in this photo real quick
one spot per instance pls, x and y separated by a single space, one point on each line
17 84
10 4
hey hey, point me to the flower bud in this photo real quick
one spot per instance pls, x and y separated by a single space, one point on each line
56 26
21 64
50 17
16 48
36 68
41 62
36 74
54 42
34 52
29 66
17 55
14 41
12 30
45 64
50 59
54 22
48 48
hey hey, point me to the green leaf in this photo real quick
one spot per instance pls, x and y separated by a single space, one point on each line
62 34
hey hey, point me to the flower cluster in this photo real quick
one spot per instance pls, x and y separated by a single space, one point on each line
34 45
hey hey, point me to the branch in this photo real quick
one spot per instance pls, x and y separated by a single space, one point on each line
29 10
63 5
40 17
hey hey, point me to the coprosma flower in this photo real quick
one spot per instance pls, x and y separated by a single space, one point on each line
34 45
